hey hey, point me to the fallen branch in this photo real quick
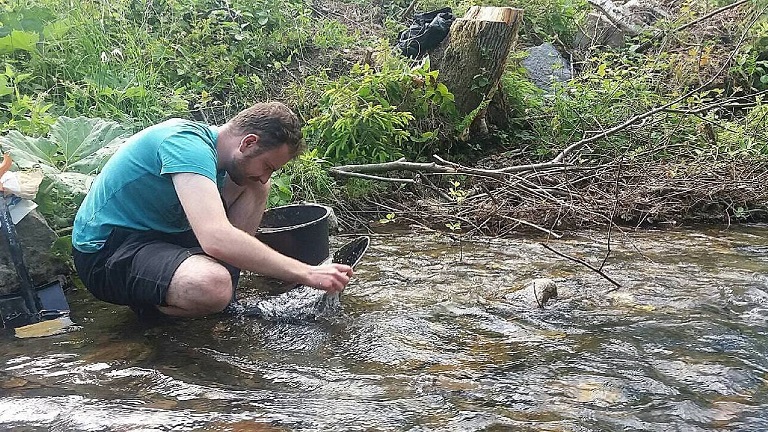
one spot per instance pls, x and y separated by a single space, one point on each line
598 271
711 14
659 34
374 177
616 15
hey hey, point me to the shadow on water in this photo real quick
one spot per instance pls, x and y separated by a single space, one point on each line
433 335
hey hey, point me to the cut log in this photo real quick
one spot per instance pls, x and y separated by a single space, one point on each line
472 59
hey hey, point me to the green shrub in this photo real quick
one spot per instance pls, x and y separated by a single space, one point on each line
747 136
373 115
750 69
302 179
147 61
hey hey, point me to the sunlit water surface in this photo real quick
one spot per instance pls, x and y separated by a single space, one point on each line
433 335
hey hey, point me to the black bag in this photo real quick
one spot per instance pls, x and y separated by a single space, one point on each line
426 32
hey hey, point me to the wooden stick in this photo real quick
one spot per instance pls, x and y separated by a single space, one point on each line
600 272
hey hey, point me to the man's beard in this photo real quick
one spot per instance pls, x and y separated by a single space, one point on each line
236 174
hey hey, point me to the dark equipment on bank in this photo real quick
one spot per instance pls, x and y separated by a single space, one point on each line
426 32
31 304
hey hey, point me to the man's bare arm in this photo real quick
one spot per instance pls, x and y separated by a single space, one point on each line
220 239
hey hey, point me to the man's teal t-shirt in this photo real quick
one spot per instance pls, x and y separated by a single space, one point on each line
135 190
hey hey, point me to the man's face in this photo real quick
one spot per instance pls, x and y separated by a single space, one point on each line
246 168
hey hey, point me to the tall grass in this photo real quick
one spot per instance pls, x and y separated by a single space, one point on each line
140 61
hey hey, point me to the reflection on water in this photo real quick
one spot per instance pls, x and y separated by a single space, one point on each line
434 335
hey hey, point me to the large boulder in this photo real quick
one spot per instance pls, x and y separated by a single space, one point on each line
36 239
545 66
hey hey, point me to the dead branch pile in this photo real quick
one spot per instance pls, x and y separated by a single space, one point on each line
554 199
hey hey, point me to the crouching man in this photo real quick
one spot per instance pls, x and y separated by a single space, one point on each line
170 221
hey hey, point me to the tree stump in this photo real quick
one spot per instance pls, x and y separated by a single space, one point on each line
472 59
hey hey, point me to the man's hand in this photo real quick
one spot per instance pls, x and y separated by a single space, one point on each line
329 277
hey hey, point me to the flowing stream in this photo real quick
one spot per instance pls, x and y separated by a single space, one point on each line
435 335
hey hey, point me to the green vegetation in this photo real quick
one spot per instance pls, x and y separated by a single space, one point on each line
136 62
69 157
372 115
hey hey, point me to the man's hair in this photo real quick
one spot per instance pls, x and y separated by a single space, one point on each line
274 123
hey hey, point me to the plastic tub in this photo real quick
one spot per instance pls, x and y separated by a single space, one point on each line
299 231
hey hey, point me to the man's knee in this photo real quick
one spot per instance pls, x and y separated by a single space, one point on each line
246 210
219 289
200 285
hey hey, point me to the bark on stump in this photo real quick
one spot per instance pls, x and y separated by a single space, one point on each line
472 59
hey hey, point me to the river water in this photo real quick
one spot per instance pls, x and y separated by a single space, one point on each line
434 335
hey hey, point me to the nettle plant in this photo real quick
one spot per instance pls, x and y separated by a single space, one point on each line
74 151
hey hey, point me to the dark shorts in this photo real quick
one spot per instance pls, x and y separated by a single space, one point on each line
135 268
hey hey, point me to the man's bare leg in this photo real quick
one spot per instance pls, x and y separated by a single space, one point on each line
200 286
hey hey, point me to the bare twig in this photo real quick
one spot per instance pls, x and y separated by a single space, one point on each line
372 177
711 14
613 215
726 103
598 271
606 133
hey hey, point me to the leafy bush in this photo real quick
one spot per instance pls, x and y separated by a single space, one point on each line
745 137
611 88
372 115
302 179
129 60
750 69
27 114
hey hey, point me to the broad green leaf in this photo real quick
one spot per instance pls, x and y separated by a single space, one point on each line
57 29
94 162
18 40
81 137
28 152
72 182
31 19
80 145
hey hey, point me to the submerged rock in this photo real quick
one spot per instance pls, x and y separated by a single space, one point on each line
536 293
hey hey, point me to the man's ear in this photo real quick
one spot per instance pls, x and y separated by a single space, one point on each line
249 141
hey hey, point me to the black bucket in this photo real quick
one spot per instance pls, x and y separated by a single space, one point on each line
299 231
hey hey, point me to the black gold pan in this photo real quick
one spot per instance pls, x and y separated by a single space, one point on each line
351 253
